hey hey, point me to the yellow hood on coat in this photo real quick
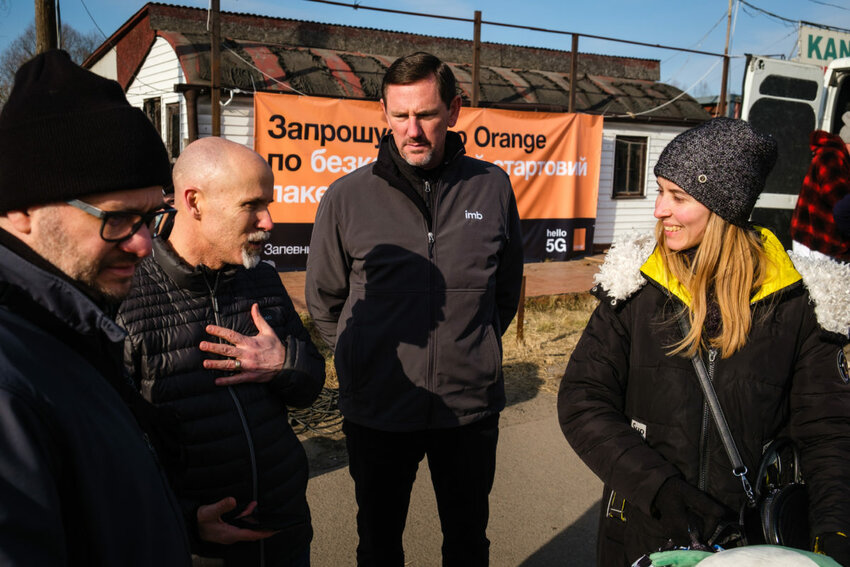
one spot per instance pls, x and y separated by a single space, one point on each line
780 273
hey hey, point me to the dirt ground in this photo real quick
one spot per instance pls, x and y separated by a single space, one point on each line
535 358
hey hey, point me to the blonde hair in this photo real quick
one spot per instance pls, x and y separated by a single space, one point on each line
729 267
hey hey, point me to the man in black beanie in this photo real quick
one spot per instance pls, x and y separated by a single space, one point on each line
81 178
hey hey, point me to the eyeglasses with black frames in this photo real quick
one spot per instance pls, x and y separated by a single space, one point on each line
117 226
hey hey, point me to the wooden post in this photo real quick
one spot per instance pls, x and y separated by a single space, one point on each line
215 69
520 313
191 96
476 59
45 25
573 71
724 75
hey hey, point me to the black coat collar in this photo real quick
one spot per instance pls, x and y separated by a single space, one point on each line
33 286
198 278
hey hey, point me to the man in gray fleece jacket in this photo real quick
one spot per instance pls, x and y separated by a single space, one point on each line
414 273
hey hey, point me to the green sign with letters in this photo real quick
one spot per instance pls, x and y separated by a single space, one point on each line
820 46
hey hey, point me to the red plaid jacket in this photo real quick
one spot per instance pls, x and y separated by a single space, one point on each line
827 181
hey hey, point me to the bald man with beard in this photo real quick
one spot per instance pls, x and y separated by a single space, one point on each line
215 341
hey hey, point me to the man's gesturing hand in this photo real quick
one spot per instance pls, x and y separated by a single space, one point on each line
254 359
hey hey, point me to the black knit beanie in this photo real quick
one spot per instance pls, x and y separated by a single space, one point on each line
67 132
722 163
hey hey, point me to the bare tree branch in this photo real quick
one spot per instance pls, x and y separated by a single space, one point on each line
78 45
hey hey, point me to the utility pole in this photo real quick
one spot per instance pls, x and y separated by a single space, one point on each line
215 69
45 25
476 59
724 78
573 74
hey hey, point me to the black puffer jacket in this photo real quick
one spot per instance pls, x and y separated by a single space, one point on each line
415 301
236 441
79 483
636 415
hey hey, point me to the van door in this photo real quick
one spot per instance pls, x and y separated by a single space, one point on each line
837 82
784 99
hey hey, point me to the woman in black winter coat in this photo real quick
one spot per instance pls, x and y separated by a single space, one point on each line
769 330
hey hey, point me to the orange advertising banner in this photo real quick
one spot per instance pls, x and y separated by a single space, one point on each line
553 160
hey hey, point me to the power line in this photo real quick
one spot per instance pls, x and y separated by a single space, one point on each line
796 22
698 43
513 26
671 101
248 63
153 90
86 8
765 12
830 5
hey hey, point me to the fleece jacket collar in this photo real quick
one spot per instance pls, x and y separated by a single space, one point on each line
386 168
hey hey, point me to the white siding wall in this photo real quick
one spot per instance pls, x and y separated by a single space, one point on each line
617 216
156 78
107 66
237 118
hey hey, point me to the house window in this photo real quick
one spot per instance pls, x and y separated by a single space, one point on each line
629 166
152 111
172 117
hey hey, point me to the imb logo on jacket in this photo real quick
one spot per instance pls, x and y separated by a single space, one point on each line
473 215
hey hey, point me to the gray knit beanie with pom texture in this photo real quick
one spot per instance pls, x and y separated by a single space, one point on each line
722 163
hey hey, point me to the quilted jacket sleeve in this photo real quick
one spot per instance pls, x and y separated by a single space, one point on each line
590 409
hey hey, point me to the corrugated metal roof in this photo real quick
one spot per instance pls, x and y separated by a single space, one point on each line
254 66
275 54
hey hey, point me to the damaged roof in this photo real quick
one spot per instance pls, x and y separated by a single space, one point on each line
261 53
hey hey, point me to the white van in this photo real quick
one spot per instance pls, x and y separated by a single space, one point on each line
791 100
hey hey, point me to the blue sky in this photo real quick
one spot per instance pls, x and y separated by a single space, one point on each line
693 24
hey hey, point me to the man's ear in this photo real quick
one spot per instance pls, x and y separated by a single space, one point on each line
454 111
384 112
19 221
192 198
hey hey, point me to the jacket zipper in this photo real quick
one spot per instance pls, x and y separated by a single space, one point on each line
429 379
429 196
703 438
239 409
429 223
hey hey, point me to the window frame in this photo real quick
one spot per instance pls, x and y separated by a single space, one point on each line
620 188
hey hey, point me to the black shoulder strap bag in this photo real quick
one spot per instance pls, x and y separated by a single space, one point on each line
777 508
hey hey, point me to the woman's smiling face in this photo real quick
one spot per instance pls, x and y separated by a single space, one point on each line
683 217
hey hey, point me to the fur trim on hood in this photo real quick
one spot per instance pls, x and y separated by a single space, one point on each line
620 275
827 281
